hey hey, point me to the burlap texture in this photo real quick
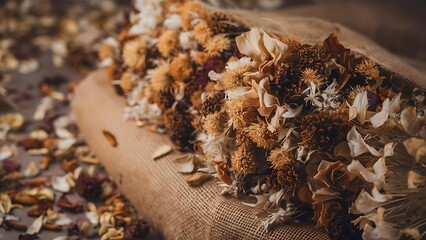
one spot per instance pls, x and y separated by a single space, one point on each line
157 189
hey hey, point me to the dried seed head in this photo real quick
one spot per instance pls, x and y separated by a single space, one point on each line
290 178
134 54
311 57
202 32
214 46
368 69
322 131
215 123
243 160
181 68
352 95
180 127
241 113
161 80
261 136
280 158
212 104
168 43
310 75
234 77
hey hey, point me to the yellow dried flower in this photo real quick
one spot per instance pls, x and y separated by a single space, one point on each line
368 69
200 57
168 43
216 45
354 92
161 80
241 113
260 135
242 160
215 123
233 77
202 32
310 75
181 68
126 81
134 54
280 158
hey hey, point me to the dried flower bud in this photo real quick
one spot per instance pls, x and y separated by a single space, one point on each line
161 80
291 177
310 75
214 46
181 68
215 123
261 136
368 69
168 43
280 158
312 57
134 54
202 32
243 160
241 113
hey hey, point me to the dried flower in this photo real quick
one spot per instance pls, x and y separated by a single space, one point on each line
290 177
335 175
214 46
342 228
180 125
134 53
325 212
280 158
241 113
321 131
168 43
127 80
161 81
215 124
212 104
368 69
234 75
202 32
89 187
293 44
312 57
243 160
259 134
310 75
181 68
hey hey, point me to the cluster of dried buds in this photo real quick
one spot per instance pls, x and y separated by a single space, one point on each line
309 131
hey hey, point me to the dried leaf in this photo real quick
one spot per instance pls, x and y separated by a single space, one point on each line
36 225
110 138
162 151
223 172
198 178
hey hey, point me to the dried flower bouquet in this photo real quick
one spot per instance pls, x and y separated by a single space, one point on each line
296 131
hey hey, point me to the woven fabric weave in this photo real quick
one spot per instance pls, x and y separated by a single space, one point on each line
157 189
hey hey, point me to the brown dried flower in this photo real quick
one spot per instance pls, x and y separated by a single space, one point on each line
233 77
241 113
310 75
322 131
180 126
212 104
202 32
290 177
280 158
335 175
181 68
216 123
243 160
311 57
134 53
168 43
261 136
293 44
325 212
214 46
368 69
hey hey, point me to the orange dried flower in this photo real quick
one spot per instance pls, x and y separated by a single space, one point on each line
241 113
134 54
310 75
215 123
260 135
168 43
181 68
214 46
243 160
368 69
126 81
202 32
161 80
280 158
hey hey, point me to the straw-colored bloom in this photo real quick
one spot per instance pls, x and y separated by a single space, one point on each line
214 46
168 43
134 53
368 69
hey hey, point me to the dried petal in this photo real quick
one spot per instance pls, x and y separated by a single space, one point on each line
198 178
110 138
36 225
162 151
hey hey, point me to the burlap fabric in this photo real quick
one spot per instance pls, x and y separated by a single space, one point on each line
157 189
